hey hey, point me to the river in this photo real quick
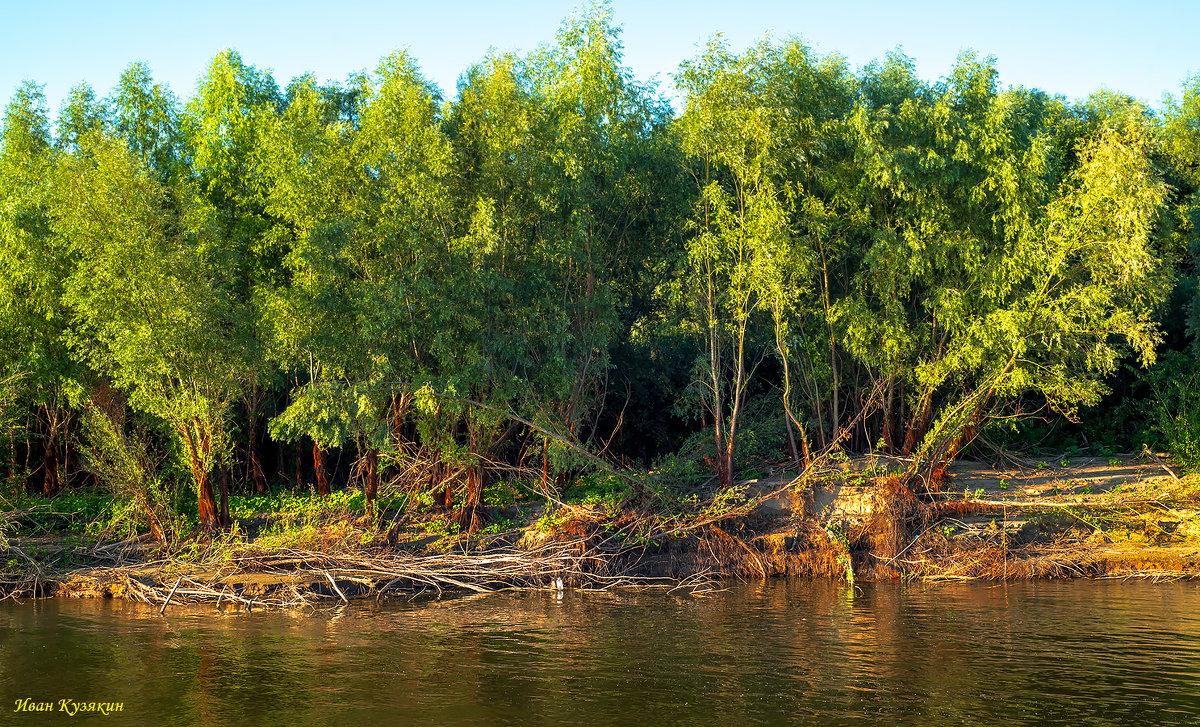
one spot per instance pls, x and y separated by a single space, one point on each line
783 652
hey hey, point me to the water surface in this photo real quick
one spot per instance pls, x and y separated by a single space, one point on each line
798 652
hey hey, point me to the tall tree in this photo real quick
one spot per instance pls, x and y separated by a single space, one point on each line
149 312
366 207
741 230
35 266
226 125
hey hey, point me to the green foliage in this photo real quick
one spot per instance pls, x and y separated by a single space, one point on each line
441 528
125 465
1175 416
365 209
608 491
412 280
761 436
500 525
35 363
682 470
306 508
73 512
149 311
503 494
550 520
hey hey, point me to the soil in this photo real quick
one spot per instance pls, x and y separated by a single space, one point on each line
1121 516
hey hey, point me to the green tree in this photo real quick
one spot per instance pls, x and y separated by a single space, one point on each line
366 209
35 265
149 312
741 228
226 124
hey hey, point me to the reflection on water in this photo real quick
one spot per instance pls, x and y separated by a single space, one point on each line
781 653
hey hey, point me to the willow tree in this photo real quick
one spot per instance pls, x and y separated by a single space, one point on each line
991 270
812 99
364 205
81 116
950 176
34 264
147 310
1180 140
225 124
741 238
1089 282
553 156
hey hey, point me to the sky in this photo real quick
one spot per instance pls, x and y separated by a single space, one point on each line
1069 48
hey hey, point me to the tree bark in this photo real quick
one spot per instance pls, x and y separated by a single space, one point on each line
10 471
443 496
787 424
223 491
71 464
210 517
371 473
937 470
888 420
30 483
471 517
919 426
319 468
299 465
256 471
50 481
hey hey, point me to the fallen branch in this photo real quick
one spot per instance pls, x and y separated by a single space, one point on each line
1146 451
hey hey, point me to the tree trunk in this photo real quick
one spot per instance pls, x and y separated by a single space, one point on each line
319 469
888 420
371 473
937 469
919 426
223 490
260 480
472 517
256 471
210 517
30 483
299 465
50 481
443 496
74 474
787 424
725 468
11 474
198 450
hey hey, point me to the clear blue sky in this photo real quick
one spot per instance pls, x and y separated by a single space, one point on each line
1071 48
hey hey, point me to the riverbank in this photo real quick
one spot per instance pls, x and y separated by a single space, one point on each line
1130 517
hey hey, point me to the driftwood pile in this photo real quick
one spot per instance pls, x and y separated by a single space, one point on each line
291 578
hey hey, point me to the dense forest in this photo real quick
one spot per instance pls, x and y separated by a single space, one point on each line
363 284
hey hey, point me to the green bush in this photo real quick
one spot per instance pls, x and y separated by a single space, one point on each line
1174 412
